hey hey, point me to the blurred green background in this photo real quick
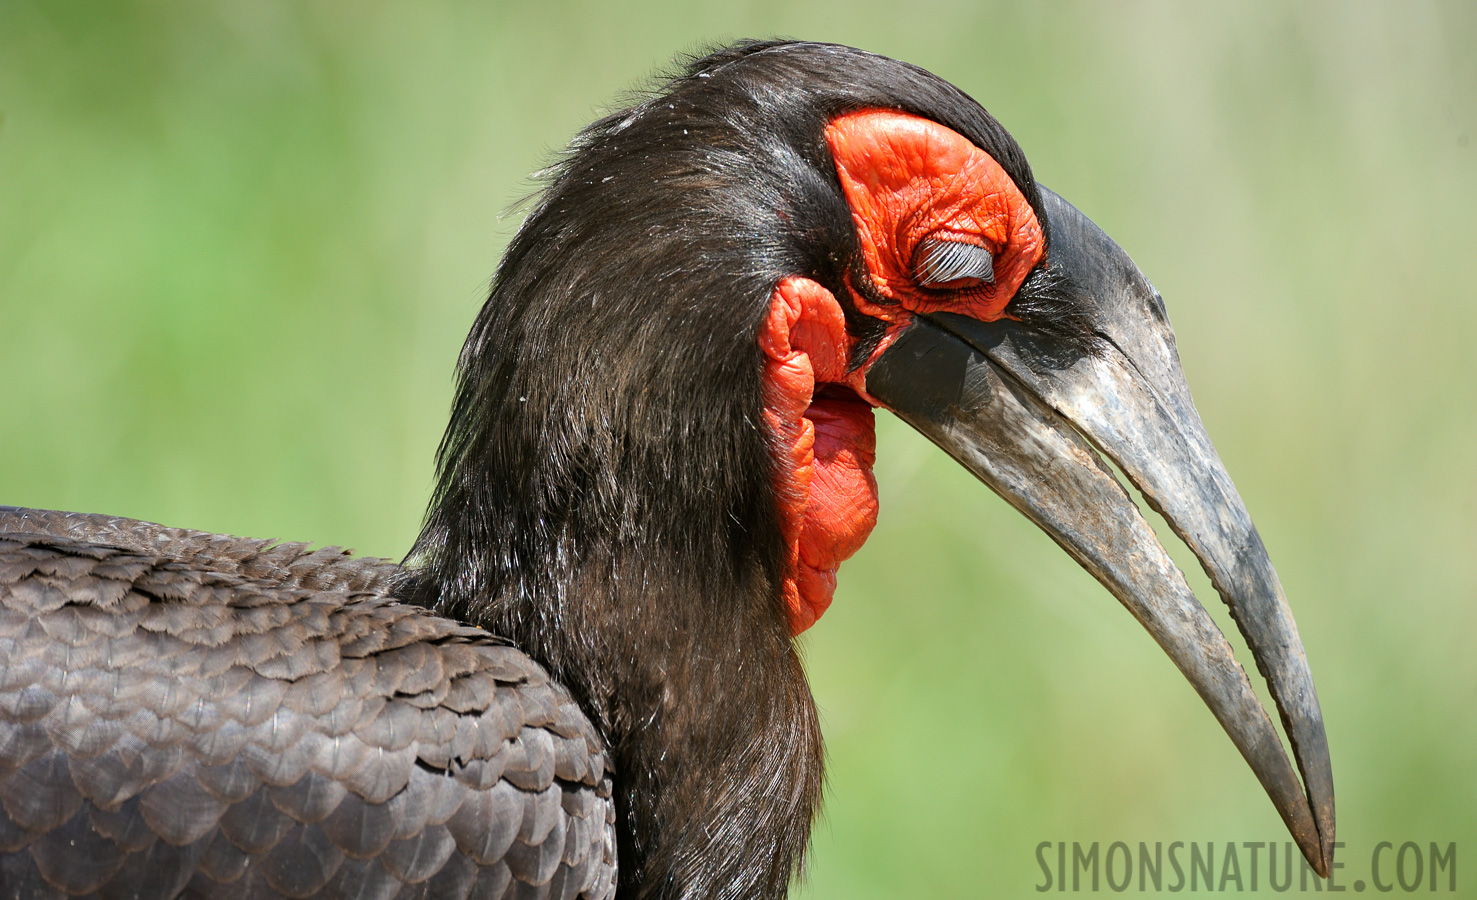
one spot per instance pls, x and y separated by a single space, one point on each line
240 244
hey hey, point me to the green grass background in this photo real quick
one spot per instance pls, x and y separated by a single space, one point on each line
240 244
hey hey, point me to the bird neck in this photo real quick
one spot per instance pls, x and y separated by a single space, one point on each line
686 666
609 508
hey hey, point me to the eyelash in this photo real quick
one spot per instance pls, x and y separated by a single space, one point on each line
938 261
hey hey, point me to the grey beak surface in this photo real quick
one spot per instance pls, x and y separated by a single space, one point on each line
1028 418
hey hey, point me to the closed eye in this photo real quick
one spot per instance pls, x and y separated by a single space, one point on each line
942 263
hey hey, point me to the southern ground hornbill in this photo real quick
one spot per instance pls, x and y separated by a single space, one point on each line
583 680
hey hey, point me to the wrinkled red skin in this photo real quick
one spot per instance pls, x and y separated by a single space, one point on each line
905 179
826 444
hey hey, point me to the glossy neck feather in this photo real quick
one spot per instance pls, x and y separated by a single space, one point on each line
607 488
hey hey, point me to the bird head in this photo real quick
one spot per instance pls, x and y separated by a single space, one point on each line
661 444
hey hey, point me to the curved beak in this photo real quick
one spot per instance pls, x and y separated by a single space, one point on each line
1028 415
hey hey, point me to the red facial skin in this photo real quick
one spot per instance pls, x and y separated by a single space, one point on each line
826 444
905 179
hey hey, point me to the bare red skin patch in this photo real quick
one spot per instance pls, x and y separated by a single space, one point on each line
905 179
824 440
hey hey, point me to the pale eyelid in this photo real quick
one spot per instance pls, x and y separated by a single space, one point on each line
939 261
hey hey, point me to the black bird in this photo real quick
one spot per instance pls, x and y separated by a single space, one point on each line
583 681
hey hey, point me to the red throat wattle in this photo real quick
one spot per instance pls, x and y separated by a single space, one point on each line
906 179
824 439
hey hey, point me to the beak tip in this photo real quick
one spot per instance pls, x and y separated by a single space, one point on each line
1316 836
1324 865
1325 815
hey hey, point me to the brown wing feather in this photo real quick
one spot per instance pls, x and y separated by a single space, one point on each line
184 713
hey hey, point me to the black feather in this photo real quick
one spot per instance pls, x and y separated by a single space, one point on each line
235 716
605 493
